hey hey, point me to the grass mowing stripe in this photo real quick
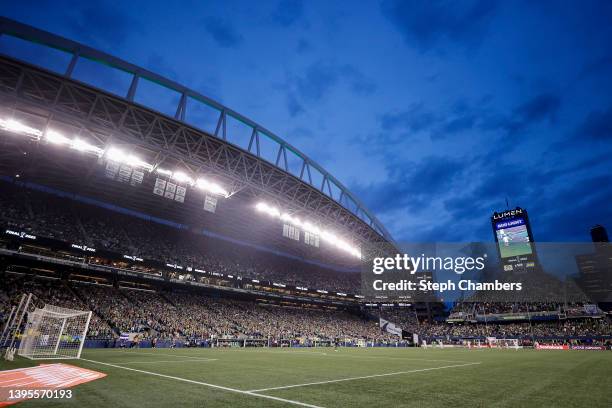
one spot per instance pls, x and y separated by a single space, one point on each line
362 377
219 387
155 353
196 360
331 354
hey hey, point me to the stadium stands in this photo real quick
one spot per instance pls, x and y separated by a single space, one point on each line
194 317
189 316
46 215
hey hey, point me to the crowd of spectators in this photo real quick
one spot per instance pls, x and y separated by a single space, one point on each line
464 324
187 315
50 216
193 316
51 292
557 328
196 316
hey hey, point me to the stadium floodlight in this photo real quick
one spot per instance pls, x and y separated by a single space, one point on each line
14 126
211 187
308 226
311 228
292 220
56 137
182 178
265 208
82 146
201 183
163 171
118 155
51 136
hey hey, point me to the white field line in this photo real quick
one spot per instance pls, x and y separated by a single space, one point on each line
362 377
194 360
219 387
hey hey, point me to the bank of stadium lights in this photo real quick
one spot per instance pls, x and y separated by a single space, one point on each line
14 126
51 136
200 183
57 138
113 154
117 155
307 226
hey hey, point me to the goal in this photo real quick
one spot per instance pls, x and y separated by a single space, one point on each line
54 332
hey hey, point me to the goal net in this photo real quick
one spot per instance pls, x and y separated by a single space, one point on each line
54 332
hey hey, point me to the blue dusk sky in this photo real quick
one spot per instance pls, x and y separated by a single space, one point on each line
431 112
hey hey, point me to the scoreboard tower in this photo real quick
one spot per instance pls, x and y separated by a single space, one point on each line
515 244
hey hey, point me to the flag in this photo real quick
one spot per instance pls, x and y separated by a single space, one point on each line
389 327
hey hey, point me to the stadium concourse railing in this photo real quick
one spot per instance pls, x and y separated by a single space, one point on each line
261 142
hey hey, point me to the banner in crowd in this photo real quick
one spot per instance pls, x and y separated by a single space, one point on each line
389 327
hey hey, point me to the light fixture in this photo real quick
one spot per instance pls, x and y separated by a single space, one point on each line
307 226
55 137
17 127
119 156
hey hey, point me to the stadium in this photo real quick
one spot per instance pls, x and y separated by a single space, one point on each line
178 253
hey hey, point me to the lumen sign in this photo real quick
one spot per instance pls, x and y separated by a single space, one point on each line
508 214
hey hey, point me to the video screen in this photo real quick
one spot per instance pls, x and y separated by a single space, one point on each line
513 238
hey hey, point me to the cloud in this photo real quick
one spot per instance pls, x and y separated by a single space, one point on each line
102 26
410 186
159 64
288 12
458 124
597 126
222 32
589 197
359 83
293 105
402 125
430 23
415 119
303 46
540 108
320 79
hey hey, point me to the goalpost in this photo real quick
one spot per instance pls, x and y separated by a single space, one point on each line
54 332
51 332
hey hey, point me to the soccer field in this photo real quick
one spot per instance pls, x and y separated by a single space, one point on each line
348 377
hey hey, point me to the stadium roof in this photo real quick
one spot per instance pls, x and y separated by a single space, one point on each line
227 150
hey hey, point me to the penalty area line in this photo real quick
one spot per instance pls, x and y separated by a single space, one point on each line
362 377
219 387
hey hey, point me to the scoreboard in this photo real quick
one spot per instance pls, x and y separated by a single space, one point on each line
514 239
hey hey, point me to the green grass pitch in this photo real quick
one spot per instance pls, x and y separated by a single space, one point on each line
322 377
